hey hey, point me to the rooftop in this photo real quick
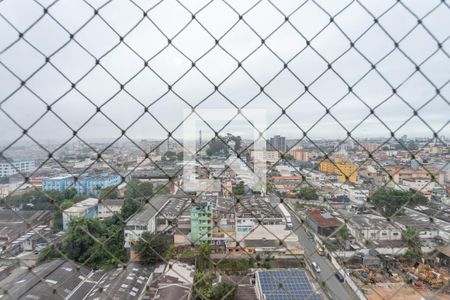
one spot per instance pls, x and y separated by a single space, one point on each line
286 284
369 221
322 219
148 211
58 275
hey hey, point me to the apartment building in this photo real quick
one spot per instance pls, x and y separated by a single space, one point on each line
270 156
86 185
342 168
9 168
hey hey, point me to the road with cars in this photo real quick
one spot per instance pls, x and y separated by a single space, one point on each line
336 288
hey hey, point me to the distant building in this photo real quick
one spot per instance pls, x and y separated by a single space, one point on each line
92 185
265 155
87 208
201 222
60 183
17 166
108 207
86 185
321 223
342 168
300 154
278 143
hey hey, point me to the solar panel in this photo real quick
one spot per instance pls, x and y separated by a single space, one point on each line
287 284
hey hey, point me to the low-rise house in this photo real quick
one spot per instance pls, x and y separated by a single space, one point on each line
108 207
13 224
371 227
322 223
87 208
412 219
172 281
269 239
144 220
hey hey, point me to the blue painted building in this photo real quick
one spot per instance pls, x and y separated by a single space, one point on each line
86 209
60 183
90 185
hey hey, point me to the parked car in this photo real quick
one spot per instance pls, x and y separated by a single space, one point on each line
339 276
319 250
316 267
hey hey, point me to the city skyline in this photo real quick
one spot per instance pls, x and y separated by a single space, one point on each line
394 70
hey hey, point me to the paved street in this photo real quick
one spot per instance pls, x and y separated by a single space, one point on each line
335 287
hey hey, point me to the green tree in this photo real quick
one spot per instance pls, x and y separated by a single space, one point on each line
203 286
170 156
93 243
138 189
70 193
203 260
48 253
151 247
129 207
36 200
161 190
307 193
390 201
180 156
217 147
109 192
240 188
411 236
224 291
344 233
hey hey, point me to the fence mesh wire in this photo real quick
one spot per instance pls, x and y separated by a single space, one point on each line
80 69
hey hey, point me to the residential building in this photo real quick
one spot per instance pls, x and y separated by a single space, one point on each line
419 184
286 183
320 222
269 239
108 207
144 220
54 279
345 170
9 168
13 224
85 185
370 227
427 229
60 183
87 208
277 143
93 184
299 154
201 222
252 211
265 155
172 281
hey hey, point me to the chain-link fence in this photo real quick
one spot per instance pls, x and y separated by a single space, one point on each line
224 149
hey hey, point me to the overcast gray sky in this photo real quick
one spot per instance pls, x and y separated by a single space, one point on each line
146 39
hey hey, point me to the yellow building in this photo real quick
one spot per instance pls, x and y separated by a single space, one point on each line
342 168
